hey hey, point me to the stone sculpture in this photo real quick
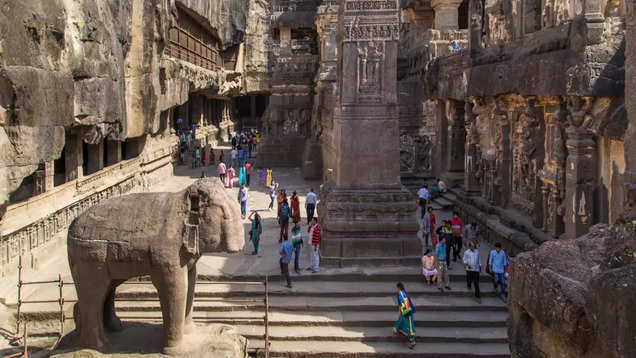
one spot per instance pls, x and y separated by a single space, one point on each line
156 234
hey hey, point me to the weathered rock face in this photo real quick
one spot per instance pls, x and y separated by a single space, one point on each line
575 298
97 67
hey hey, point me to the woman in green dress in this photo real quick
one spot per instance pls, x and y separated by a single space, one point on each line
405 323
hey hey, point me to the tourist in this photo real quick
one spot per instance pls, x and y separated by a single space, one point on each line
189 141
456 226
310 204
198 157
429 211
182 154
256 231
471 233
423 196
232 140
471 260
272 194
269 177
405 323
221 157
221 170
244 143
445 232
442 266
425 229
203 157
194 158
234 155
435 191
295 207
248 172
280 198
428 267
442 186
315 236
179 125
285 251
242 199
498 266
229 176
254 142
297 241
242 176
261 180
283 219
241 154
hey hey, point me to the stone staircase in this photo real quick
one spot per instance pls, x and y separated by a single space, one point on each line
332 314
349 316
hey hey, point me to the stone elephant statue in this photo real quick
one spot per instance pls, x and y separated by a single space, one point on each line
157 234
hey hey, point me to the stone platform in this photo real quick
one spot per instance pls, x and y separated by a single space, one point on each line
144 340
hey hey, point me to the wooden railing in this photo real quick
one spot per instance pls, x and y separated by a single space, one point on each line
194 49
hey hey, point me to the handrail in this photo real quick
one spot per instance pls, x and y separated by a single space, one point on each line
62 301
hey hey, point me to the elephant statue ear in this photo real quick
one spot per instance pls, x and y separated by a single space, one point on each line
191 224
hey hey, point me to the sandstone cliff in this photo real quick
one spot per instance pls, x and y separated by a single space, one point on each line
97 67
576 298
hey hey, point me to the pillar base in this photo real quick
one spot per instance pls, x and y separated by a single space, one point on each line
368 226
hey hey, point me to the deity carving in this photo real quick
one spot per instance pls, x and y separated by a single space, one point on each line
524 178
370 62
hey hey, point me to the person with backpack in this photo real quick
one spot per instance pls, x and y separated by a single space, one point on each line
285 251
256 231
297 241
283 219
445 232
405 323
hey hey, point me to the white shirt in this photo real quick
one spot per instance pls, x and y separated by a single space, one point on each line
234 153
244 198
442 186
423 194
311 198
471 259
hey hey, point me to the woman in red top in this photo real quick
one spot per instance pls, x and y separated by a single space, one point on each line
295 208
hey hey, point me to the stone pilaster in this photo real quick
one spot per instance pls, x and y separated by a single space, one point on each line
113 152
73 156
475 14
472 167
580 172
95 157
367 216
455 144
446 14
630 101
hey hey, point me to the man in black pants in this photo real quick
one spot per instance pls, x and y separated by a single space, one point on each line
471 260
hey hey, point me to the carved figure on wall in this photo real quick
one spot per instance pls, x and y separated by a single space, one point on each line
524 165
157 234
290 123
370 61
407 152
423 154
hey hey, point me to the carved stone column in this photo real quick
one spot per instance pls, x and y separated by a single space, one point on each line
580 175
503 157
446 14
367 217
553 173
630 100
472 167
73 156
455 144
475 14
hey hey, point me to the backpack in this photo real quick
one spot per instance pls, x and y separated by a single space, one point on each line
284 212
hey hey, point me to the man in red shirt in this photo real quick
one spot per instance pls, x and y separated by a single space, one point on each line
315 237
456 226
248 171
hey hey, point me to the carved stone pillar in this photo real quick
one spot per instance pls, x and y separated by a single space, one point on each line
593 13
630 101
73 157
503 158
446 14
367 217
475 14
455 144
113 152
553 173
472 167
580 175
95 157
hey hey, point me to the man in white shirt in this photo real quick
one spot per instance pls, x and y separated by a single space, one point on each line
424 195
471 260
442 186
310 204
234 154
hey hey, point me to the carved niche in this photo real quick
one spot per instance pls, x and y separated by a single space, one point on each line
526 161
415 153
370 67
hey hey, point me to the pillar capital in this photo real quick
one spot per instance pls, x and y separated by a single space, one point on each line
445 4
446 14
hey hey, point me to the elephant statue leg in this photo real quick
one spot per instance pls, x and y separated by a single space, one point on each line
192 281
112 322
170 282
91 294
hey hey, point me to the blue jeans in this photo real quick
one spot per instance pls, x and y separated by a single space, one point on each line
271 204
243 207
500 278
297 253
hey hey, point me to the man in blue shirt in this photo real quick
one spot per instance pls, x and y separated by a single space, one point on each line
497 263
286 249
440 252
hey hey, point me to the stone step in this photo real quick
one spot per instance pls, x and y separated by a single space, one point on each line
328 349
443 203
326 304
316 289
376 334
405 274
340 319
449 196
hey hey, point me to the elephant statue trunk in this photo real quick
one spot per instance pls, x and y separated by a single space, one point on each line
157 234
